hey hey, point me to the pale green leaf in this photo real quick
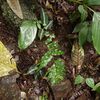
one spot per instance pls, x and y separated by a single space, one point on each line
96 31
28 31
83 12
90 82
44 17
79 79
93 2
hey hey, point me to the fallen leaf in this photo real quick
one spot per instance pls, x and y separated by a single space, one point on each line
77 55
7 63
15 6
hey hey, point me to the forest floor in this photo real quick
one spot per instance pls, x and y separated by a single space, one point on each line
24 59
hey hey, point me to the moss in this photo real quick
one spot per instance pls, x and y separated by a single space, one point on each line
11 17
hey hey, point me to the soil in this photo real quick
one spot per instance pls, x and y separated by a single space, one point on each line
34 88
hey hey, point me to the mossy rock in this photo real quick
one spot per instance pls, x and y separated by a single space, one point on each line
11 17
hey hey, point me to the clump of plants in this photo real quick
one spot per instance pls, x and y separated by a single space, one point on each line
28 32
89 81
88 29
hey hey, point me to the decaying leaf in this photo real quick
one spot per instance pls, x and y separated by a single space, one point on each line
7 64
77 55
15 6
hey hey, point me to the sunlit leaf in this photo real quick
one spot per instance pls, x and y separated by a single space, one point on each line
28 31
15 6
96 31
93 2
79 79
7 63
90 82
44 17
83 12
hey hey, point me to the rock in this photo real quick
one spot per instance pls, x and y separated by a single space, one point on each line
9 89
62 89
11 17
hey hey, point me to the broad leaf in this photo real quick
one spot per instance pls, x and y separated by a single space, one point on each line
93 2
90 82
79 79
83 12
44 17
96 31
83 34
27 35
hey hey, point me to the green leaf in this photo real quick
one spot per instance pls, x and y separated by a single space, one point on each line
49 25
79 26
79 79
28 31
41 33
93 2
90 82
44 17
32 69
83 34
96 87
89 35
83 12
38 24
56 72
45 59
96 31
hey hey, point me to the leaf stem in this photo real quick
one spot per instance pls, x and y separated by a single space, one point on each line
90 8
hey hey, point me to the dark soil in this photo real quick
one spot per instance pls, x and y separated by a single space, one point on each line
24 59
